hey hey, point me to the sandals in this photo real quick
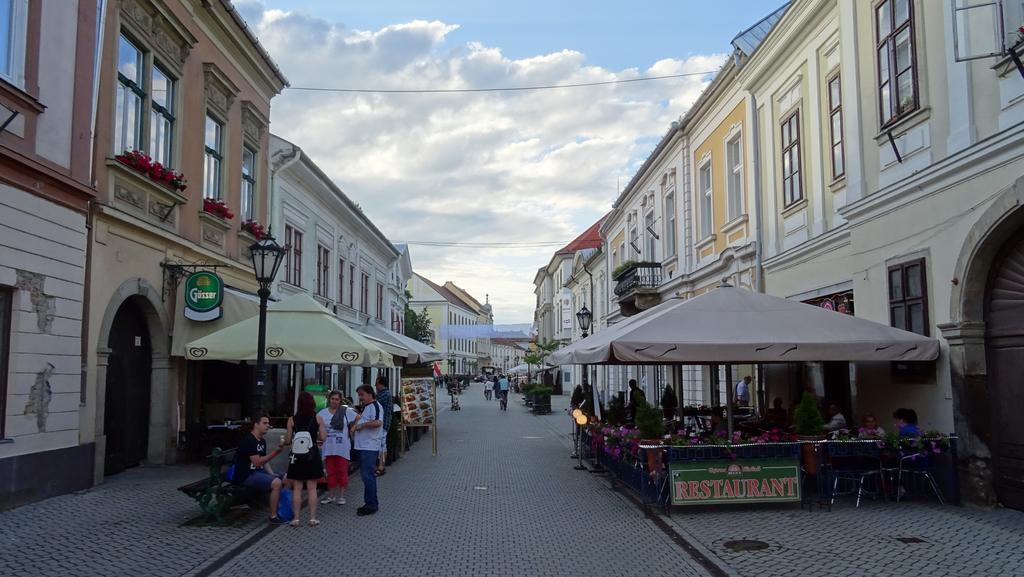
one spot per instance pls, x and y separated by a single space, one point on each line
294 523
314 522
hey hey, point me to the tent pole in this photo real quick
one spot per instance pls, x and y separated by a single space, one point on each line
728 398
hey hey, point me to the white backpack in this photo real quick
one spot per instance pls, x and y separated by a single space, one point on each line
302 445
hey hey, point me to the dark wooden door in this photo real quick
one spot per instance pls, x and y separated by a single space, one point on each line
1005 350
126 416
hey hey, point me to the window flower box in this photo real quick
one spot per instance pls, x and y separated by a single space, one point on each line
217 208
143 164
257 230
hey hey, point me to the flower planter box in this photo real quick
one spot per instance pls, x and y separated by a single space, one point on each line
541 404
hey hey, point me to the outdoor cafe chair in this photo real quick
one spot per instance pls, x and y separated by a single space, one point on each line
917 467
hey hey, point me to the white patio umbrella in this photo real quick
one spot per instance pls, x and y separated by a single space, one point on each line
735 325
299 330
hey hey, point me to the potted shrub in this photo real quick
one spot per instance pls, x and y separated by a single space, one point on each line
541 399
652 432
809 426
668 403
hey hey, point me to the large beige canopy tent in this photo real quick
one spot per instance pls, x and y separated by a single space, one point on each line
735 325
299 330
730 325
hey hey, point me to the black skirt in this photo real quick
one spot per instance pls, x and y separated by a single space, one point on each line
310 467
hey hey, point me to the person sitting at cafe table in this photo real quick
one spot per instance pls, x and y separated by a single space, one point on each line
905 421
869 427
836 419
777 416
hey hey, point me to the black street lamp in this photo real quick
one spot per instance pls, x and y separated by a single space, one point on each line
451 364
584 316
266 259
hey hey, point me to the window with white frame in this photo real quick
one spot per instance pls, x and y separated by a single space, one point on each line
634 245
130 96
734 174
161 117
670 225
214 144
706 201
248 183
13 23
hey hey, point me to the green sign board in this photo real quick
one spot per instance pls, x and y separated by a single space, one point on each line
204 292
739 481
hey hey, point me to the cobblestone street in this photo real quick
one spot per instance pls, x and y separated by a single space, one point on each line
500 499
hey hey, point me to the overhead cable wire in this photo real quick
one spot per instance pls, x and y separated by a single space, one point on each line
496 89
538 244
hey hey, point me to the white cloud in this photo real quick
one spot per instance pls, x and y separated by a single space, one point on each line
485 167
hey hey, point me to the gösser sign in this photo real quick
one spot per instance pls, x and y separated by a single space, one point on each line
740 481
204 292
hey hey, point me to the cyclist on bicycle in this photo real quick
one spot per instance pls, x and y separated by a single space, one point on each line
503 387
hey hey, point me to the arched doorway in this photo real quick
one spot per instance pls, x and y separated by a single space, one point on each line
128 380
1004 349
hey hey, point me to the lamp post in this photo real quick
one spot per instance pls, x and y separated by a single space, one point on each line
583 317
266 259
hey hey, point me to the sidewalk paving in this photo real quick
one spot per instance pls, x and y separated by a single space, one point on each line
500 499
128 526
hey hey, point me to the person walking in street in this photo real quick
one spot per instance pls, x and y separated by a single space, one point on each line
367 443
252 465
487 390
384 398
503 388
337 448
496 387
305 468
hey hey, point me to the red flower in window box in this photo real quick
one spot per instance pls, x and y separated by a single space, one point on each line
142 163
254 228
217 208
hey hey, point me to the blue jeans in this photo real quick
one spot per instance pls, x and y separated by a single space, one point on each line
367 471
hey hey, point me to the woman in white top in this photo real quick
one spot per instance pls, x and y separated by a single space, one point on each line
339 420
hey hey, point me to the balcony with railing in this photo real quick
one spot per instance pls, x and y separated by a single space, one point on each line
636 286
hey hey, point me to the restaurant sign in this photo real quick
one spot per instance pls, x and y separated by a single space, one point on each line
739 481
204 293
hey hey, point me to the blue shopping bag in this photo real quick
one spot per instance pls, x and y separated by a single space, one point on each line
284 506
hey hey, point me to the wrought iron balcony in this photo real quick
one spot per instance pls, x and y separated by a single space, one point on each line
637 287
641 275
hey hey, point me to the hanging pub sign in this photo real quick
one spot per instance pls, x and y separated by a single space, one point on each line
204 293
739 481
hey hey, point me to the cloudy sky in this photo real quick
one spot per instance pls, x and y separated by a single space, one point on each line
513 167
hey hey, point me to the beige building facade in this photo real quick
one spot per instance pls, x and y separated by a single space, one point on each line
186 84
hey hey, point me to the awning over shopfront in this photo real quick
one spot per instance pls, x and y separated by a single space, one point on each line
415 351
735 325
236 306
299 330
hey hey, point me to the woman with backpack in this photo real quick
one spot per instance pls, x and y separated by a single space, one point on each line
305 430
337 448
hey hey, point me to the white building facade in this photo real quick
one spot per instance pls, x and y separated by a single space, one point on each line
334 252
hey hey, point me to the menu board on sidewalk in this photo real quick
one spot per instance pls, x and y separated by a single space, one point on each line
417 401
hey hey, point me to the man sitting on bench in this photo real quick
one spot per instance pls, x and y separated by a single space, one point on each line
252 465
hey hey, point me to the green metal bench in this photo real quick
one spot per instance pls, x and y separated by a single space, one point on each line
215 494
